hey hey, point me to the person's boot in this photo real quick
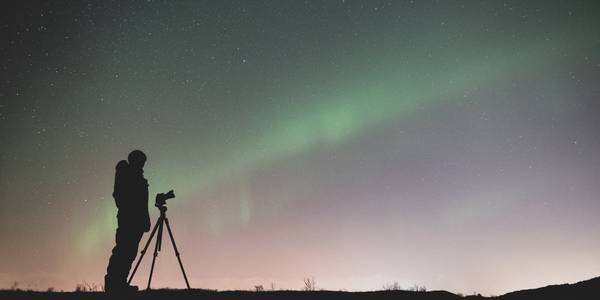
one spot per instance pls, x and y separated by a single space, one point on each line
130 288
121 289
118 287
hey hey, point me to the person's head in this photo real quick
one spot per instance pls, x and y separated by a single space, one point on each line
136 159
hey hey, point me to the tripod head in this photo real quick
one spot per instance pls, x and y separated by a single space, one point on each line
163 211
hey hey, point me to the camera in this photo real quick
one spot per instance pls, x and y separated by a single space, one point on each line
161 198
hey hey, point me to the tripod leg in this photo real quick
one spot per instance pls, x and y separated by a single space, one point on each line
143 252
160 231
177 253
158 238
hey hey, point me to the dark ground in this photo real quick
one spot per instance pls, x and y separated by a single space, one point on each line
589 289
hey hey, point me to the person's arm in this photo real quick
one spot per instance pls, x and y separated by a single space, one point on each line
119 191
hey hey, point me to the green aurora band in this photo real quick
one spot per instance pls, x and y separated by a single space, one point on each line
391 91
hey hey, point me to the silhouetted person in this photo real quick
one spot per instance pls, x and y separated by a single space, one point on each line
131 197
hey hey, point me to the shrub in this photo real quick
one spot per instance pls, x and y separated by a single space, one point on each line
87 287
392 286
310 284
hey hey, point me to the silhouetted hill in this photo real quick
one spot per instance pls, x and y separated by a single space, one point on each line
589 289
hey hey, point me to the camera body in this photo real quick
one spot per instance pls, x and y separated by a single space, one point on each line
161 198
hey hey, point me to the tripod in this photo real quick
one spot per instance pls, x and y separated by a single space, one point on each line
158 227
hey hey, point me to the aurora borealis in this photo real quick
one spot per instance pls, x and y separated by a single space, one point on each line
447 144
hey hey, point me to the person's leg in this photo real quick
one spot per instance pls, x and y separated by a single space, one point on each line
135 236
124 254
114 271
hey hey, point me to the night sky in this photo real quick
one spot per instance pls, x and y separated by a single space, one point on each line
448 144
